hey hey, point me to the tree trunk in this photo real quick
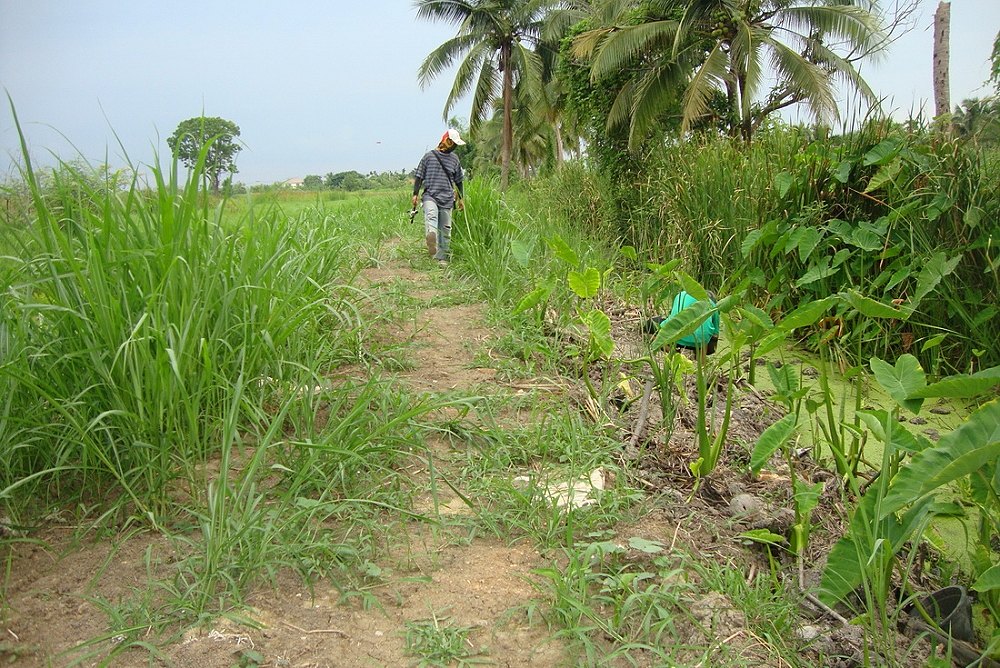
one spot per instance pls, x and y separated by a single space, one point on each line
559 145
942 48
507 140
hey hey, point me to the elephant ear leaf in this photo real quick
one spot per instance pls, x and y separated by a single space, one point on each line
773 439
962 386
967 449
586 284
901 381
681 324
988 581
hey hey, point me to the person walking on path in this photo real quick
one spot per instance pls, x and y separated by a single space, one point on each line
440 174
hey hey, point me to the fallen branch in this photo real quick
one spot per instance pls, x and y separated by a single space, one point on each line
824 608
302 630
640 425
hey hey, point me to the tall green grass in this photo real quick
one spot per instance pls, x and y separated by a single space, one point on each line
137 315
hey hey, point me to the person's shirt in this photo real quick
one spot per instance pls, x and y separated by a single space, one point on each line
439 171
705 332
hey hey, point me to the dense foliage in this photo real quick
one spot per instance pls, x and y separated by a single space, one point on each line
900 214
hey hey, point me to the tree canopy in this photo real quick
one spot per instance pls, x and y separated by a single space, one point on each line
495 43
211 137
707 46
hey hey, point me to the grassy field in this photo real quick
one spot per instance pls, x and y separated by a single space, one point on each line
262 395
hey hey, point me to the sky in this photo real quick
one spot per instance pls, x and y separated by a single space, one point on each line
315 86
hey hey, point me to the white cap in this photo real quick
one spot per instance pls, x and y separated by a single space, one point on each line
453 135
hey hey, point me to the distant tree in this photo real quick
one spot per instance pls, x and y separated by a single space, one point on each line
192 135
353 181
312 182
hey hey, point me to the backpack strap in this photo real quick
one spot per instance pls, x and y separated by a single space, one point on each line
444 169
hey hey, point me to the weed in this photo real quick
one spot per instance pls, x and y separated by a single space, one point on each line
439 642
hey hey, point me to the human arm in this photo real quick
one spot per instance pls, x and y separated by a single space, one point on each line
417 182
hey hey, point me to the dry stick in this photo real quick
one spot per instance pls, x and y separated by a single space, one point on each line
640 425
823 607
302 630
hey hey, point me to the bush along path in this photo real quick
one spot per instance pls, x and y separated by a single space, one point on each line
462 491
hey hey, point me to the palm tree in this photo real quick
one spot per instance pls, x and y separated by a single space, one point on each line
978 120
705 46
495 42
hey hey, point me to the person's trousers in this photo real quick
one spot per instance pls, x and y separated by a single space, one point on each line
437 229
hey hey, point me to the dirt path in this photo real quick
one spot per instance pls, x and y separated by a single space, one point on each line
435 574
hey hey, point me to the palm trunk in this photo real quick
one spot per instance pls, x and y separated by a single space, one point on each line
942 47
507 140
559 145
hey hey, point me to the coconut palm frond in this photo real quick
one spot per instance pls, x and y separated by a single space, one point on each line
707 78
655 93
624 46
843 70
447 11
861 29
465 76
585 43
439 60
488 87
621 109
811 80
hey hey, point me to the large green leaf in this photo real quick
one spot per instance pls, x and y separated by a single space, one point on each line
899 436
803 316
901 380
816 272
885 174
533 298
521 251
757 316
934 270
807 242
681 324
842 172
773 439
972 446
807 314
562 250
807 495
871 308
883 153
750 241
988 581
585 284
784 182
962 386
692 287
599 325
865 239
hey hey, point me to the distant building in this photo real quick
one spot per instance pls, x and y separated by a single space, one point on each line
294 183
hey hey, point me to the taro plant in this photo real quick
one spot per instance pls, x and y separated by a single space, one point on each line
805 495
710 432
896 509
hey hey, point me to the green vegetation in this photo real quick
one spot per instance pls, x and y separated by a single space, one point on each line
226 375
